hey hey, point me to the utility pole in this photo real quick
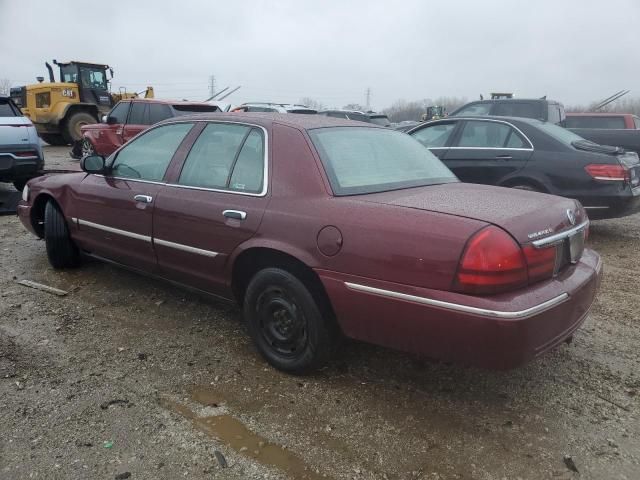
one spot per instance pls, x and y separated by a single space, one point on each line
368 96
212 85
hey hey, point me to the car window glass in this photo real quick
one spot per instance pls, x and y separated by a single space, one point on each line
435 135
514 140
260 109
148 156
119 112
158 112
6 110
139 114
636 122
518 109
595 121
484 134
211 158
248 173
554 114
476 109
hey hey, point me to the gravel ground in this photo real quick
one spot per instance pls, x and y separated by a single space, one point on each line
126 377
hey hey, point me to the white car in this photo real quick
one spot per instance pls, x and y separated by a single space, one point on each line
21 156
274 107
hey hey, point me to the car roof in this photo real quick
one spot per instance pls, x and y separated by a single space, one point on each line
165 102
266 119
340 110
530 121
273 104
599 114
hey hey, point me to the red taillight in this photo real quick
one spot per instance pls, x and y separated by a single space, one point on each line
608 172
26 154
541 262
492 262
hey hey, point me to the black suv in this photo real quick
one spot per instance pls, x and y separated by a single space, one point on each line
368 117
538 108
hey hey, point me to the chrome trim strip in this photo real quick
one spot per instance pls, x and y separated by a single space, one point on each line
117 231
185 248
529 312
127 179
593 208
543 242
16 157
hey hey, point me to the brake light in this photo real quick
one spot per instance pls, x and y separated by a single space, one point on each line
607 172
30 153
492 262
541 262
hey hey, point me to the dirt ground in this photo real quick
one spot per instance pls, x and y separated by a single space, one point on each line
125 377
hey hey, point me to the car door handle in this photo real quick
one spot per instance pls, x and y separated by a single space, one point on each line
143 198
504 157
237 214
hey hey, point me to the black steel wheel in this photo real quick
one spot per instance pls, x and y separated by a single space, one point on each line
285 322
87 148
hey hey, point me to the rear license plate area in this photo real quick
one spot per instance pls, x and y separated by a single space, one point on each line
569 251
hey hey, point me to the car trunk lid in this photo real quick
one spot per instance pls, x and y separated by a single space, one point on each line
527 216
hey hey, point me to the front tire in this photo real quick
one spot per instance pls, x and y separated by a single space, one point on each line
61 251
74 123
286 323
87 148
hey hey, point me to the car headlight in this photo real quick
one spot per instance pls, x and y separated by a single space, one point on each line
25 193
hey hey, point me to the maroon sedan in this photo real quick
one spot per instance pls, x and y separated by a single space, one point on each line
320 228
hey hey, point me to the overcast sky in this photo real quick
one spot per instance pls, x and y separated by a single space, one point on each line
575 51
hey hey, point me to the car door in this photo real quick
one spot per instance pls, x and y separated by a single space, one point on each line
214 203
138 120
436 136
487 151
110 137
114 212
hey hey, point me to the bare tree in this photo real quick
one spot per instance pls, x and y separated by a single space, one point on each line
312 103
355 106
5 86
624 105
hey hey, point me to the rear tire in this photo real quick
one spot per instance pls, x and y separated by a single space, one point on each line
74 123
54 139
286 323
61 250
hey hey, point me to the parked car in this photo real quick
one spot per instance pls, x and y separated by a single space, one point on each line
405 125
21 156
533 155
539 108
130 117
321 227
619 129
274 107
368 117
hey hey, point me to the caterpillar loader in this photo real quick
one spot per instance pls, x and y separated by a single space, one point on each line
80 97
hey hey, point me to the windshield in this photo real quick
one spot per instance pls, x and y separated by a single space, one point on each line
366 160
93 78
7 109
380 120
561 134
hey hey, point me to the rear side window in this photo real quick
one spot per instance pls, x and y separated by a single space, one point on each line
476 109
479 134
598 121
519 109
226 157
119 112
148 156
158 112
434 136
139 114
7 109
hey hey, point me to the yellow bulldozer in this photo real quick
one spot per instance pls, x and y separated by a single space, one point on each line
82 96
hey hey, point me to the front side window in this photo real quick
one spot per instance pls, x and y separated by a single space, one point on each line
479 134
158 112
119 112
360 160
148 156
93 78
69 73
476 109
226 157
434 136
139 113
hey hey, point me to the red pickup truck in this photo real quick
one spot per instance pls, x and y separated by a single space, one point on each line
130 117
609 121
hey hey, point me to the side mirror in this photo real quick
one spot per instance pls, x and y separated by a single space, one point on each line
111 120
103 119
93 164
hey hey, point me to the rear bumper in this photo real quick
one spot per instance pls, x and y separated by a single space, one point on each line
497 332
14 167
612 206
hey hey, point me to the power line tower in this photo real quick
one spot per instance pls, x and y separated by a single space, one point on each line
368 97
212 85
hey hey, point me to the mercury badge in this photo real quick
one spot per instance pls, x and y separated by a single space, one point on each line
571 216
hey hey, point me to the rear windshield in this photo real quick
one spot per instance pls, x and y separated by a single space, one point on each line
362 160
518 109
559 133
380 120
7 109
307 111
595 122
185 109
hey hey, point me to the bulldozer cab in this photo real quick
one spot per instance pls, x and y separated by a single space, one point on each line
91 78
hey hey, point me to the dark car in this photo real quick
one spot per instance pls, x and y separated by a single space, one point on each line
539 108
367 117
320 228
130 117
540 156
